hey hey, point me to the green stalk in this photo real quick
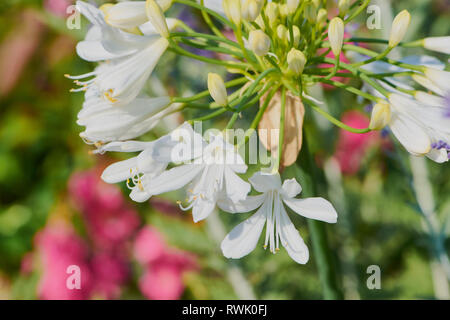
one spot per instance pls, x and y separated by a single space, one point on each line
317 229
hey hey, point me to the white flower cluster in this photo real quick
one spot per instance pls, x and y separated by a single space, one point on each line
127 40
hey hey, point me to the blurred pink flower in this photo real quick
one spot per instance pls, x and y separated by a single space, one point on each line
351 147
59 247
57 7
162 282
109 220
110 272
164 267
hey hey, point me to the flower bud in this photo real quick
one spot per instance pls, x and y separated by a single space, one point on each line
381 116
105 8
440 78
125 15
232 10
399 27
439 44
282 32
217 89
296 33
343 5
427 83
310 12
322 15
156 17
164 4
259 42
272 12
251 9
336 35
296 61
292 5
260 22
284 11
429 99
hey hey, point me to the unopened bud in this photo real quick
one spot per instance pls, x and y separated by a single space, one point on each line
259 42
272 12
232 10
381 116
296 61
282 32
156 17
399 27
322 15
292 5
336 35
251 9
125 15
343 5
296 33
217 89
310 12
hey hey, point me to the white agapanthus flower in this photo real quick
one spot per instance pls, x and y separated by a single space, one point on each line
107 122
417 122
272 213
211 173
130 58
419 127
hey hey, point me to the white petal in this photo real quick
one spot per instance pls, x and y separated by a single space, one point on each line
247 205
202 209
291 188
265 182
148 29
410 134
244 237
174 179
120 171
438 156
236 188
127 14
439 77
123 146
139 195
439 44
313 208
291 239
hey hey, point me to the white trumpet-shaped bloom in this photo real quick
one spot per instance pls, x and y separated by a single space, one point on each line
139 171
211 173
272 213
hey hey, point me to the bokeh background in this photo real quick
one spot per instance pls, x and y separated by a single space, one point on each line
54 210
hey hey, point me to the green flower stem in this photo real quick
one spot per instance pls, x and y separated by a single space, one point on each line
410 92
200 45
235 65
335 69
333 119
351 89
357 11
317 229
208 20
375 58
416 43
371 53
253 86
363 74
204 36
205 93
209 11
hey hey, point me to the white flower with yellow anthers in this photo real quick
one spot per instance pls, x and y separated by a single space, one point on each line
130 58
212 175
272 213
140 171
